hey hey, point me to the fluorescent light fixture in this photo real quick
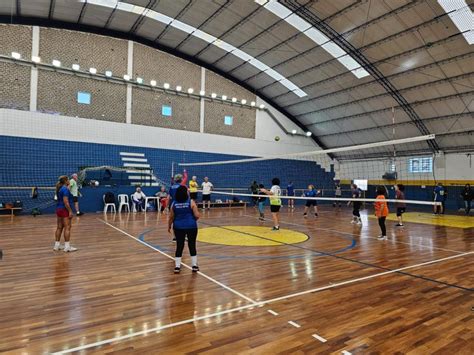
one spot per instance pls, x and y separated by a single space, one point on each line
108 73
252 103
139 80
348 62
278 9
262 106
213 95
308 134
179 88
16 55
166 85
190 90
275 75
35 59
76 67
289 85
297 22
273 6
360 73
293 131
126 77
300 93
93 70
316 36
56 63
202 93
463 18
243 101
234 99
224 97
333 49
153 82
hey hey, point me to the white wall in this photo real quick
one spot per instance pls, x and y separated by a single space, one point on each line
40 125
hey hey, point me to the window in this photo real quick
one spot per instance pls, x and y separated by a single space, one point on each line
420 165
228 120
166 110
362 184
84 98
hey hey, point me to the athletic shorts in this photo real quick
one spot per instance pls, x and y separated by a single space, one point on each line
311 203
400 211
74 198
193 195
62 212
206 197
275 208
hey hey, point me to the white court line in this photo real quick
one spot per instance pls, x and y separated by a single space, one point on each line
272 312
294 324
356 235
185 265
345 352
261 303
320 338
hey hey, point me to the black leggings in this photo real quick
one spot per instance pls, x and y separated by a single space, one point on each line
382 225
356 212
181 235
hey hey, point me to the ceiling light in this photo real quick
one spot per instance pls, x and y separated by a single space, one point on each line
126 77
213 95
56 63
261 2
153 82
178 88
166 85
93 70
297 22
308 134
462 16
190 90
234 99
35 59
293 131
224 97
252 103
316 36
108 73
262 106
16 55
244 101
278 9
202 93
139 80
76 67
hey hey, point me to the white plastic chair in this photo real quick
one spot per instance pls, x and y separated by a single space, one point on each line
107 205
123 202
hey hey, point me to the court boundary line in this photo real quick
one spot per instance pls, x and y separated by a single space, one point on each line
356 235
235 292
257 304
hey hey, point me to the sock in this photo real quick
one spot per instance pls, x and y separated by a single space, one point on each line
194 260
66 245
56 244
177 262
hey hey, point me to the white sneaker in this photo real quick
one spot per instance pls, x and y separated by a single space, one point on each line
381 237
60 247
359 223
70 249
352 222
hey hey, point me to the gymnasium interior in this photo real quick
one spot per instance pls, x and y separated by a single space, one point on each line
344 98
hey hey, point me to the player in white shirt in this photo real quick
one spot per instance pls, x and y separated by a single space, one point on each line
206 192
275 202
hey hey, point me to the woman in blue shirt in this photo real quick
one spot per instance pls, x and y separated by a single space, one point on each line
290 191
183 218
64 215
311 193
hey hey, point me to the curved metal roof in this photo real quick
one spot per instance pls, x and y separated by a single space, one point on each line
336 67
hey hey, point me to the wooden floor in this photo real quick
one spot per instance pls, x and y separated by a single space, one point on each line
340 291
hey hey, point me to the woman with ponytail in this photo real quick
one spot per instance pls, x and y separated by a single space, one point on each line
64 214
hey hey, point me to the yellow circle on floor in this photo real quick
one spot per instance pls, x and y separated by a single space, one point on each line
250 236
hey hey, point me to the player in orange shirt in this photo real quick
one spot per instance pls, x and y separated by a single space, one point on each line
381 210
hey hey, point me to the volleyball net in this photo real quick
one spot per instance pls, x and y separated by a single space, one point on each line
334 173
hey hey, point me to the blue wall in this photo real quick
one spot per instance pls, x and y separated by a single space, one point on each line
30 162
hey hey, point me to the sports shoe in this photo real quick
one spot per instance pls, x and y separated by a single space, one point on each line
177 270
359 223
79 213
60 247
398 225
305 215
352 222
381 237
316 215
174 240
195 268
261 218
70 249
276 228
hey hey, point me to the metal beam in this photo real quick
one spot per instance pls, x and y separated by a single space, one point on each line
51 9
141 18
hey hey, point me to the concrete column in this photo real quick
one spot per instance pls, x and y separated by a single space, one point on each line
34 71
